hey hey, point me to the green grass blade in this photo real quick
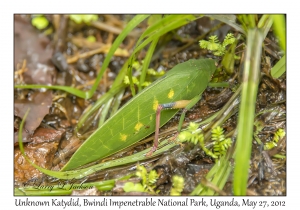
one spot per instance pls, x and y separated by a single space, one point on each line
279 68
217 175
247 110
72 90
157 30
159 25
229 20
262 21
280 29
106 97
180 21
147 62
116 87
265 23
219 179
76 174
117 102
104 112
129 27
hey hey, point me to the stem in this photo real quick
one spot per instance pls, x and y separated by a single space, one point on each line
247 110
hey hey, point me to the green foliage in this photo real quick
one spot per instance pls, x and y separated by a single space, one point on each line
194 135
213 44
152 34
279 156
259 125
131 187
142 173
217 175
40 22
279 134
134 79
229 39
251 77
154 19
147 184
91 38
177 185
136 65
217 134
155 73
280 29
247 21
220 143
87 19
229 56
279 68
150 72
148 181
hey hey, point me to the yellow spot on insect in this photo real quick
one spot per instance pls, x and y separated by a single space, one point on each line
171 94
155 104
123 137
138 126
150 117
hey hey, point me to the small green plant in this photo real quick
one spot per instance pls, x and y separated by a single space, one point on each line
150 72
83 18
177 185
259 126
134 80
220 143
280 133
40 22
213 44
147 184
91 39
194 135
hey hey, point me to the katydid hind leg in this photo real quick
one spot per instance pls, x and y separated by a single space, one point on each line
157 123
186 104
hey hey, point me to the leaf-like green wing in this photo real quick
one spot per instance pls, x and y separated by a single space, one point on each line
136 119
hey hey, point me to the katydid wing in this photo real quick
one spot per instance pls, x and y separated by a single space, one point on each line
136 119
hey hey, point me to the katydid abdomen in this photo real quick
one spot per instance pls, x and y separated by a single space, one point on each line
136 119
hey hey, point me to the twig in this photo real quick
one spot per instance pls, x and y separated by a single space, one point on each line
112 29
103 49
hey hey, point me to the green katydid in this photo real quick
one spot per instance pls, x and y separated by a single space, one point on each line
181 87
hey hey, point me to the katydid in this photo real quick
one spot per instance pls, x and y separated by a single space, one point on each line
181 87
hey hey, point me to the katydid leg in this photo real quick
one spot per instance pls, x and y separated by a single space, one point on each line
186 104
